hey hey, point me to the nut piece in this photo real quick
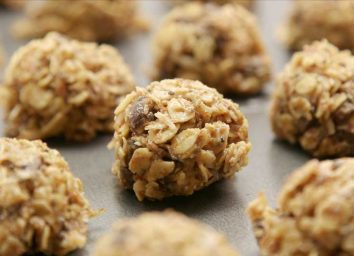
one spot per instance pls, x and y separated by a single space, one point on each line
162 233
313 102
218 45
85 19
316 20
42 205
56 86
315 214
176 137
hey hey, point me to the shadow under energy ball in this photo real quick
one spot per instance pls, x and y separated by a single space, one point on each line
220 45
314 214
162 233
42 205
176 137
56 86
313 102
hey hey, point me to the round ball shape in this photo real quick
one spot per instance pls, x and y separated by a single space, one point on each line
313 102
86 20
219 45
315 20
43 208
162 233
314 214
57 86
176 137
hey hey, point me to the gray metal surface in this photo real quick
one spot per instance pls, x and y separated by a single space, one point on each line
223 204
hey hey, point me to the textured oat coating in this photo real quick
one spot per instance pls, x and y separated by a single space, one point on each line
57 86
246 3
42 205
85 19
162 233
315 214
218 45
316 20
176 137
313 102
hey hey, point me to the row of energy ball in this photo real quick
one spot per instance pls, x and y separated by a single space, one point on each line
173 138
44 210
111 19
217 45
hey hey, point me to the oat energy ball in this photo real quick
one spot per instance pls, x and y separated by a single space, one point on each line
315 214
56 86
314 20
313 102
42 205
218 45
246 3
176 137
84 19
162 233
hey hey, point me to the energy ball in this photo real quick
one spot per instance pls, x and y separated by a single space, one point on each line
246 3
86 20
162 233
60 87
315 214
314 20
176 137
313 102
218 45
42 205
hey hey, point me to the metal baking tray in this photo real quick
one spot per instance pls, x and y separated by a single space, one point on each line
223 204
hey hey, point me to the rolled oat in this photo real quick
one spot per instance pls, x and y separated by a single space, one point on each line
313 102
42 205
176 137
218 45
56 86
315 214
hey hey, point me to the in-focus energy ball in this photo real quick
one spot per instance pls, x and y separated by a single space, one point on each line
86 20
176 137
313 102
60 87
218 45
315 213
42 205
316 20
162 233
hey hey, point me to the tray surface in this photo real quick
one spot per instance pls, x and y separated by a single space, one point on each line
222 205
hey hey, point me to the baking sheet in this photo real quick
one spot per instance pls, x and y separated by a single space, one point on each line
222 205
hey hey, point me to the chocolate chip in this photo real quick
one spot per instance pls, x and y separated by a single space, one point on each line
140 113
